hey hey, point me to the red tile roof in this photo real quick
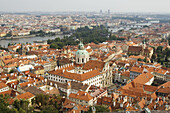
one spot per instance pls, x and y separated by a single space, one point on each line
81 95
25 96
2 85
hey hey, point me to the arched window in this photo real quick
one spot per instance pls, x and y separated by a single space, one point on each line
82 60
78 59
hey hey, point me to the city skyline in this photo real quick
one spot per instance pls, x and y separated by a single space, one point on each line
115 6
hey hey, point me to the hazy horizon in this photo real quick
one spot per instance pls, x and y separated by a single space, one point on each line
115 6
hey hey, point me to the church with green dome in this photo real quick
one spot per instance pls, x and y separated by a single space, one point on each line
82 56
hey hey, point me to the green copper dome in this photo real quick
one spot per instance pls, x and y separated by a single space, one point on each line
81 46
81 50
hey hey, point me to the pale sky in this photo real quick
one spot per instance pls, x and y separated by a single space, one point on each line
161 6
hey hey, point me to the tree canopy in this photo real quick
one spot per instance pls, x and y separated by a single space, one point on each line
97 35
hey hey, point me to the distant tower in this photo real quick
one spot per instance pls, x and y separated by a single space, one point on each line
108 11
82 56
101 11
144 44
22 50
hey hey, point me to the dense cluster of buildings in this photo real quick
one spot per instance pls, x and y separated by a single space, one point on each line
24 25
107 74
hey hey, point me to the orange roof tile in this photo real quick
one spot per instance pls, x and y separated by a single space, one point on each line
2 85
26 95
81 95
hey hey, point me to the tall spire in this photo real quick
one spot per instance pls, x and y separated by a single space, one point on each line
144 44
81 46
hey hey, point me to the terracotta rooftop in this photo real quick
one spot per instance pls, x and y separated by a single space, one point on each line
2 85
81 95
25 96
135 48
150 88
164 90
143 78
92 64
75 76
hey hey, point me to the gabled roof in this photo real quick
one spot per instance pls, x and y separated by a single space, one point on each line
137 69
135 48
75 76
34 90
74 85
25 96
143 78
2 85
81 95
92 64
164 90
70 105
105 101
142 103
167 84
150 88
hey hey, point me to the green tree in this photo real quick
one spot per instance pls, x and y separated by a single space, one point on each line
139 59
97 35
42 99
11 71
16 104
22 110
40 46
8 34
49 109
98 109
145 59
14 110
4 104
21 104
159 49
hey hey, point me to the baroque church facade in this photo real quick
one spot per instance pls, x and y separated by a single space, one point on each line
83 70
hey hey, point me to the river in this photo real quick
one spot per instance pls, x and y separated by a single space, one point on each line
4 43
